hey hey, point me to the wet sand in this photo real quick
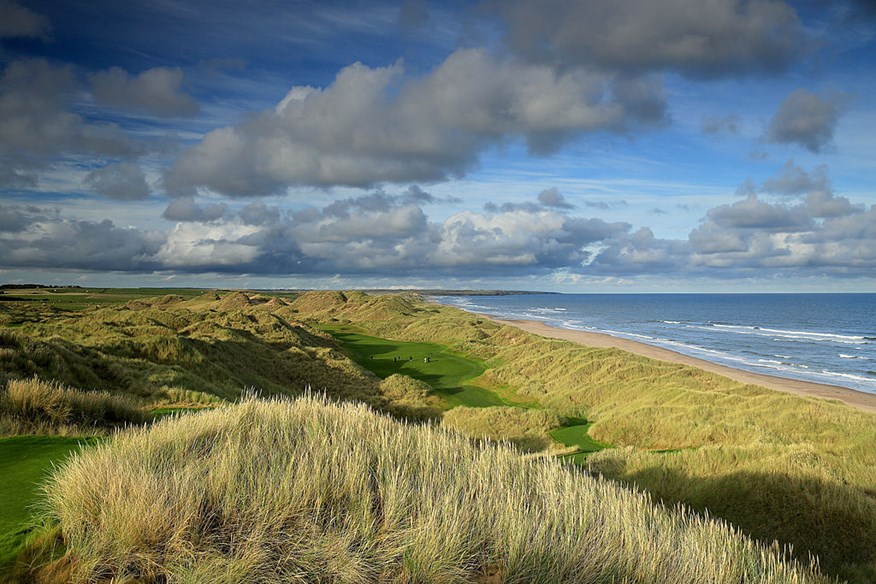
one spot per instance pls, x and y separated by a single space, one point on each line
857 399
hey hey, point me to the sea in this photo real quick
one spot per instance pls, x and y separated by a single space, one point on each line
825 338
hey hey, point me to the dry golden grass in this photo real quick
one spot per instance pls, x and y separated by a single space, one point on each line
34 406
525 428
312 491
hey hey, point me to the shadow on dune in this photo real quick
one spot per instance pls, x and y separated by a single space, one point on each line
836 524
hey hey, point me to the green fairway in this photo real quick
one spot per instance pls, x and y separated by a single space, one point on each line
445 371
576 434
25 461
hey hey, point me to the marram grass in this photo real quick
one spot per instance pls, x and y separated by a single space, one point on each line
35 406
307 490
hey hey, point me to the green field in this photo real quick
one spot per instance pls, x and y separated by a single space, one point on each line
445 371
25 461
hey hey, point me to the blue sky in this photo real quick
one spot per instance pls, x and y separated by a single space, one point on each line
576 146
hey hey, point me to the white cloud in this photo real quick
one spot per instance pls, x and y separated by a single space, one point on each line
374 125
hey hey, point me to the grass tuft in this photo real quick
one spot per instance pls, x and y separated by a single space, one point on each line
31 406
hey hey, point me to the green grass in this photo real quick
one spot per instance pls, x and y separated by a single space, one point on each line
576 434
447 372
25 461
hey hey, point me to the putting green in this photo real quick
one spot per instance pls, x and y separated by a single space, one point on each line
577 434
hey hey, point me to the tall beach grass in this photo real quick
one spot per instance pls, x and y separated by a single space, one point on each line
306 490
35 406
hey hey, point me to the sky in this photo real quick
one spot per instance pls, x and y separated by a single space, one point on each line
560 145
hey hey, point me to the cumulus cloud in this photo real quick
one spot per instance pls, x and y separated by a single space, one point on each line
42 238
805 119
382 234
16 21
36 124
537 240
156 91
700 38
374 125
186 209
552 197
208 247
813 231
124 181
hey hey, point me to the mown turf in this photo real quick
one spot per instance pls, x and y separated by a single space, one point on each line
25 461
445 371
576 434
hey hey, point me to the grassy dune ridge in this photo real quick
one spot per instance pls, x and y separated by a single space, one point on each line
308 490
778 466
170 349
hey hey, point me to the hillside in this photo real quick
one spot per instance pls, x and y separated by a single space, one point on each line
313 491
172 350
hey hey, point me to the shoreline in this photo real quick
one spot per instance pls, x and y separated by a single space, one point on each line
856 399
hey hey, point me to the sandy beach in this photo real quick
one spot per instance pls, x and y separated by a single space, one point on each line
851 397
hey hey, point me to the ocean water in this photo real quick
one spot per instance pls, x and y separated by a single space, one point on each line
826 338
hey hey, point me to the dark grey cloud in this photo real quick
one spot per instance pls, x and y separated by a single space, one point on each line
16 21
374 125
814 186
754 213
697 38
713 124
805 119
258 213
17 218
37 124
124 181
186 209
793 180
552 197
42 238
156 91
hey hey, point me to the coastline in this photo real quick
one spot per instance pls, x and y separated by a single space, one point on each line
856 399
